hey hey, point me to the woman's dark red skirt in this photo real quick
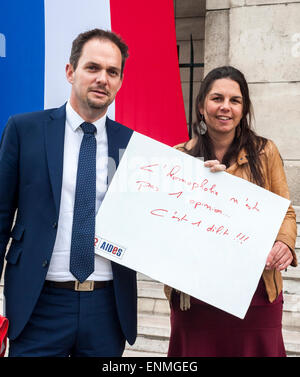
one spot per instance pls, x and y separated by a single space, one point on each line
206 331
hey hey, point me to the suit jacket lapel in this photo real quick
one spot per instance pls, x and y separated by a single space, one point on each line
118 137
112 130
54 138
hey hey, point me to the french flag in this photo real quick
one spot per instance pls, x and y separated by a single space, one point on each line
35 44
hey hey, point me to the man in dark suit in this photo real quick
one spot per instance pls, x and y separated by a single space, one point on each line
60 298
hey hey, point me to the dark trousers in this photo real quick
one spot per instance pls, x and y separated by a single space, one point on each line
70 323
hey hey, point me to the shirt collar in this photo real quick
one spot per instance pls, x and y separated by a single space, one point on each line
75 120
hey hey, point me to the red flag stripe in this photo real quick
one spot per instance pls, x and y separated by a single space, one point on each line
150 100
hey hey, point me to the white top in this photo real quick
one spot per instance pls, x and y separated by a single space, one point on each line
59 269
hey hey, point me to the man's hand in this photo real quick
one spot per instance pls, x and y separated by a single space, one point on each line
280 257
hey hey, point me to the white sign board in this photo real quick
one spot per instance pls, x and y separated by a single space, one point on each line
206 234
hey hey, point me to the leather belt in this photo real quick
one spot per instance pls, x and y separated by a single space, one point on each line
88 285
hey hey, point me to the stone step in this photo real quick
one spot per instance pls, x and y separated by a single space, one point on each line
149 345
151 297
153 335
291 286
291 273
291 303
291 341
154 325
152 289
291 312
154 306
291 320
134 353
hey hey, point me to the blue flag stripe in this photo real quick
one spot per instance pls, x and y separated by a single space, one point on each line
22 66
35 44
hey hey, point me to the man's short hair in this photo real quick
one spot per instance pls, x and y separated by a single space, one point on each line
100 34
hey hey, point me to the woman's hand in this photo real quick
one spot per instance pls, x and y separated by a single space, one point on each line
214 165
280 257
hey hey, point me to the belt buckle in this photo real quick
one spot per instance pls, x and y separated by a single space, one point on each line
86 286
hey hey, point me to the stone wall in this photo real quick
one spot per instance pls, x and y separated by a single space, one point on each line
262 39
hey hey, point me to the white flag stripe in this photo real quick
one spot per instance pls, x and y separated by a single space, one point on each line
64 20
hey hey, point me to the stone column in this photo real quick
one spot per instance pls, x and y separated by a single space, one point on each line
262 39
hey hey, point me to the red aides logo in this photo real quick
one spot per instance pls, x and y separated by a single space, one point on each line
103 245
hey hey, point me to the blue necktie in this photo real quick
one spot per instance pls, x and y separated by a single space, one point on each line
83 231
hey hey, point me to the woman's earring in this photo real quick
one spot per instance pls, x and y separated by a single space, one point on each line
203 126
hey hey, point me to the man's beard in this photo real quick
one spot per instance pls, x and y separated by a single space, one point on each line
96 105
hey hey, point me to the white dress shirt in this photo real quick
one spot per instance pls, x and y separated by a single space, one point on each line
59 268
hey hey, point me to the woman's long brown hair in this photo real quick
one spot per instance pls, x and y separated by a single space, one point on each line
245 137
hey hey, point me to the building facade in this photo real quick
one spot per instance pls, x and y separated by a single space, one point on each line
255 37
262 39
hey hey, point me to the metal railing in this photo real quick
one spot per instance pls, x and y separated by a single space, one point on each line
191 65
